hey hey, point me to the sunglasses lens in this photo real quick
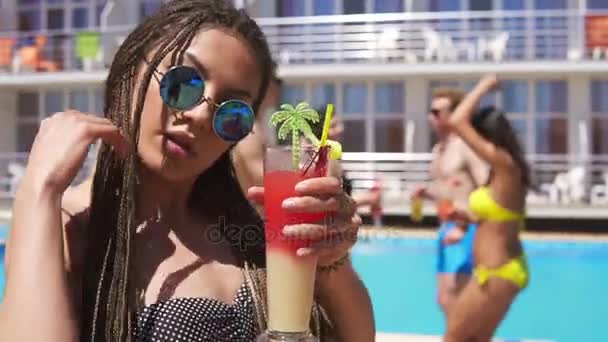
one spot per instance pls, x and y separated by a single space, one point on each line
182 88
233 120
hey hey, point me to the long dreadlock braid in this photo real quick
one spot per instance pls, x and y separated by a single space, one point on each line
107 298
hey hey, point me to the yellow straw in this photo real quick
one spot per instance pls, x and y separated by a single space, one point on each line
326 123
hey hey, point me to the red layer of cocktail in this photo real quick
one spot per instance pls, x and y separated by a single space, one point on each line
279 186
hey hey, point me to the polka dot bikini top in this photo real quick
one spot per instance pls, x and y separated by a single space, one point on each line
198 319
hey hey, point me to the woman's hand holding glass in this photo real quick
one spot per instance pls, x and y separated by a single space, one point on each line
333 237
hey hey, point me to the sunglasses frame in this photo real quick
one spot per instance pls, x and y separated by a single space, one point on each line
202 99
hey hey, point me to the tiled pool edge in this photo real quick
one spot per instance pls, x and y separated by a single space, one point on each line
385 337
370 231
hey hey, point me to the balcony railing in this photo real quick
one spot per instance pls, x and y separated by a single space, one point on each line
12 167
427 37
366 38
559 180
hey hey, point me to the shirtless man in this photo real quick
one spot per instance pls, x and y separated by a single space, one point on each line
455 172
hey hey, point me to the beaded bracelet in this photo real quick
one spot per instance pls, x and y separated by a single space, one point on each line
335 265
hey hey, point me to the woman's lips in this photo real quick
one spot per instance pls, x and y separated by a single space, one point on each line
179 145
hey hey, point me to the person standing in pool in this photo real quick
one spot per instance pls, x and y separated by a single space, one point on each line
455 171
498 205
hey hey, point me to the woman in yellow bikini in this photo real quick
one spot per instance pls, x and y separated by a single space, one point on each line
500 268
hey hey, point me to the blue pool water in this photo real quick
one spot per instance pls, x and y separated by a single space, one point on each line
3 234
1 271
566 300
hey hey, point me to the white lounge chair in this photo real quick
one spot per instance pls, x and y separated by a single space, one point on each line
572 185
599 192
387 43
16 172
495 47
432 41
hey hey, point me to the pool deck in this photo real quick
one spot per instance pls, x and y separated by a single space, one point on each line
381 337
389 232
5 215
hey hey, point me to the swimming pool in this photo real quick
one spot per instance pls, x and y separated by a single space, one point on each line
1 271
3 234
566 300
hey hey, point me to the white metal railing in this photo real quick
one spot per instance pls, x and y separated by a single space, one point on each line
423 37
559 179
12 167
414 37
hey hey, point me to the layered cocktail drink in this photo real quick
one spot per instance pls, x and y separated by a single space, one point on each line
290 278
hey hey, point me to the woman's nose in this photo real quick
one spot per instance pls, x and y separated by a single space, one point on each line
202 114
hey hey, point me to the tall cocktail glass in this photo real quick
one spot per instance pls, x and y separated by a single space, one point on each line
290 278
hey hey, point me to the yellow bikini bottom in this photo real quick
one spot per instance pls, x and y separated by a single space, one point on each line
515 271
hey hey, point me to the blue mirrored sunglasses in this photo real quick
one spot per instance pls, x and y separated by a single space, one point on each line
182 88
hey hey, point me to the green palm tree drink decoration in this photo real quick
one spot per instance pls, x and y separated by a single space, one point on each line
295 121
290 278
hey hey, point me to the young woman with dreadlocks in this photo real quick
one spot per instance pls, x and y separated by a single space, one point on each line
155 255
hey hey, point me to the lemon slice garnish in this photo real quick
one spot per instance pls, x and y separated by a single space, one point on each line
335 150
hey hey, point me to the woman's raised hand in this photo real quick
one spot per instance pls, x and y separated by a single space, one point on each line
61 146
